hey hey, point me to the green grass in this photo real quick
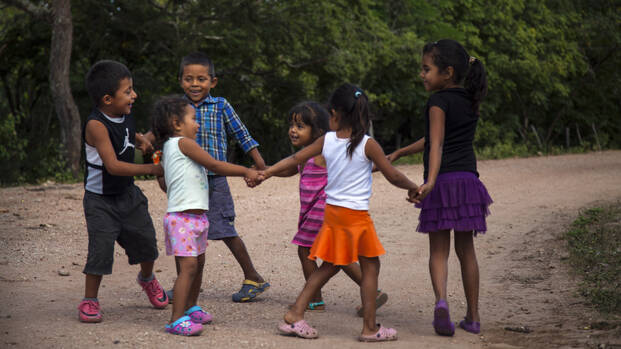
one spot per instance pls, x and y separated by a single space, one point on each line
594 241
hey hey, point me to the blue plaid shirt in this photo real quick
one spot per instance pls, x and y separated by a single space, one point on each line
216 118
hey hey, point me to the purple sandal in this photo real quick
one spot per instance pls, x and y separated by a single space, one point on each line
382 335
299 328
442 320
470 326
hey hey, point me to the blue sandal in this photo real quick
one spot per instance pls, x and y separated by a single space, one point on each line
316 306
250 290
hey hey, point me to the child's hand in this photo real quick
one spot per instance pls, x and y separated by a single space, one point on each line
412 193
392 157
143 144
157 170
423 191
253 178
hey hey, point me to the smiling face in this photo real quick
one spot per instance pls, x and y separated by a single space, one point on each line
300 133
433 78
121 103
196 82
187 125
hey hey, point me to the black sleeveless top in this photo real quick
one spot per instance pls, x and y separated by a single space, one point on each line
123 137
459 129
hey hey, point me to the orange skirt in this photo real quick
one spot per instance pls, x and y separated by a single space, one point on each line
345 235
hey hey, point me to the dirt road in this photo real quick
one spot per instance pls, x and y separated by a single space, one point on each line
524 278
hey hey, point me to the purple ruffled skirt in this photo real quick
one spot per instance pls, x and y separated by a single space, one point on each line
459 201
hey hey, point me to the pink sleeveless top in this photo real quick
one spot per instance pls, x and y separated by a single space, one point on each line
313 180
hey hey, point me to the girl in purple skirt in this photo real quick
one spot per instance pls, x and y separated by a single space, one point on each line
452 197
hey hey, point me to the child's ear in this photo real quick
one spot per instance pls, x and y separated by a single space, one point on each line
214 81
106 99
450 71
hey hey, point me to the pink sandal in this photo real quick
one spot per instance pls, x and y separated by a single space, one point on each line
382 335
198 315
184 327
300 328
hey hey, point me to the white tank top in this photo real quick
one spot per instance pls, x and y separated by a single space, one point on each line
186 181
349 180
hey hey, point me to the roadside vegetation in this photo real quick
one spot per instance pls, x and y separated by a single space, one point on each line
594 241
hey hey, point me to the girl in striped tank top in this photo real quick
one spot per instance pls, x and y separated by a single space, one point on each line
307 122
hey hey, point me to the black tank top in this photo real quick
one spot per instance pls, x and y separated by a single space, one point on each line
123 137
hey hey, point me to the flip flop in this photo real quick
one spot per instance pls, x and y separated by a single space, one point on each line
382 335
380 300
442 320
300 328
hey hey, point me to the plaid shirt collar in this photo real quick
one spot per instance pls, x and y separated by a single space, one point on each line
207 100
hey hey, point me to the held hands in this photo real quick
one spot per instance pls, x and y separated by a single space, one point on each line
417 195
144 144
254 177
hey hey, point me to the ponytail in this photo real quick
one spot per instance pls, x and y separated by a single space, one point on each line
353 105
358 129
476 83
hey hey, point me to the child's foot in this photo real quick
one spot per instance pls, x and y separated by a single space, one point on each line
383 334
470 326
249 290
380 300
184 327
299 328
89 311
154 291
442 320
198 315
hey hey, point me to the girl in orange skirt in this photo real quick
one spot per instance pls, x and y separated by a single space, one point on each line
347 235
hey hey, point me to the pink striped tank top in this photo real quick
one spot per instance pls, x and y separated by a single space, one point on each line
313 180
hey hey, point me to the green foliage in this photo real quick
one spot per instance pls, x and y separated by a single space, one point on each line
595 254
549 67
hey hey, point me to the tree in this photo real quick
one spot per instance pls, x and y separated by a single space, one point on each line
59 16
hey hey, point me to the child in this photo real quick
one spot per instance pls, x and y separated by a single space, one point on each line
452 197
307 122
216 118
347 234
186 223
115 209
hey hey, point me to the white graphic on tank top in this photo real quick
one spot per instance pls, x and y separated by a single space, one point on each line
126 143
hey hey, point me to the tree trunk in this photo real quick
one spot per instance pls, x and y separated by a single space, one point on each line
60 60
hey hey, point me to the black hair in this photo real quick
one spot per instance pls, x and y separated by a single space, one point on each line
353 105
313 114
197 58
165 111
468 71
104 78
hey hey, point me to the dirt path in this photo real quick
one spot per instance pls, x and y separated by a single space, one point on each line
524 280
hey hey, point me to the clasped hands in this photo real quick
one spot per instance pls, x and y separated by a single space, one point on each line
254 177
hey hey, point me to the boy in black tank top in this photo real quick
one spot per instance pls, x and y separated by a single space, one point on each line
115 209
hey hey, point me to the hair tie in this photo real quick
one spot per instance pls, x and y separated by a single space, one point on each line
357 94
472 59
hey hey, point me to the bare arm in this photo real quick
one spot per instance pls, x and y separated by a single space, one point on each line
143 143
413 148
436 141
192 150
374 152
291 162
97 136
162 182
259 163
